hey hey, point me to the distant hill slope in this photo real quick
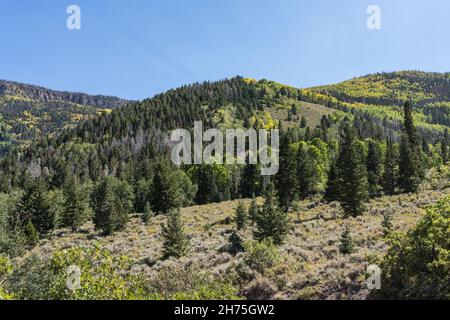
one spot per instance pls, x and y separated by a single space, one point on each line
28 111
382 95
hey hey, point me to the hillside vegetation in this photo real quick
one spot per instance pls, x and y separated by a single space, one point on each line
104 197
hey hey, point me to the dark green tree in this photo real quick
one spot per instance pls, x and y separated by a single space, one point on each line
286 177
166 194
75 204
271 222
332 189
390 169
346 245
374 166
241 217
176 242
253 211
353 188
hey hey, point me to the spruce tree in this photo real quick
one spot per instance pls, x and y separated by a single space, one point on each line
147 214
271 222
166 194
346 245
445 152
410 165
31 234
374 169
75 204
253 211
176 242
286 176
241 217
332 189
303 123
390 173
34 207
353 188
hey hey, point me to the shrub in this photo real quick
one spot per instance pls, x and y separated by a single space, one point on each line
261 255
417 265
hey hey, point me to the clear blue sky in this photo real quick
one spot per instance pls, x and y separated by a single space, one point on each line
136 48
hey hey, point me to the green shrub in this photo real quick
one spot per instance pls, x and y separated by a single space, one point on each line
417 265
261 255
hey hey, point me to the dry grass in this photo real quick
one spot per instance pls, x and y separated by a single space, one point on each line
312 266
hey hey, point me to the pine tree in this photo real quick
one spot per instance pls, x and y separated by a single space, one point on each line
113 202
353 188
75 204
34 206
253 210
285 179
303 123
235 244
104 206
271 222
166 194
31 234
387 222
346 245
241 217
176 243
390 173
332 189
374 169
410 160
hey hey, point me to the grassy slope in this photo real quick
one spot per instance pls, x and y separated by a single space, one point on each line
312 266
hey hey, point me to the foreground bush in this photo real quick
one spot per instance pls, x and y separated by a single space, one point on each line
417 265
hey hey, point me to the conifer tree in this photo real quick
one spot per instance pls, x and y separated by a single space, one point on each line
353 188
346 245
390 174
31 234
374 169
253 210
241 217
75 204
303 123
34 207
148 213
176 242
271 222
410 160
332 189
166 194
286 177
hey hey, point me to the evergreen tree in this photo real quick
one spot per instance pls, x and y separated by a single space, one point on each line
235 244
285 179
176 243
332 189
346 245
390 173
241 217
353 188
112 202
303 123
34 207
408 166
410 162
271 222
75 204
374 169
31 234
166 194
253 211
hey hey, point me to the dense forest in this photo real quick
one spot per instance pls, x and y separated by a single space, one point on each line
373 137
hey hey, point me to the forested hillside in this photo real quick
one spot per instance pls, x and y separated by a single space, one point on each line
28 112
346 164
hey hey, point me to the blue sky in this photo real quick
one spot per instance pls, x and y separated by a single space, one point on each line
137 48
